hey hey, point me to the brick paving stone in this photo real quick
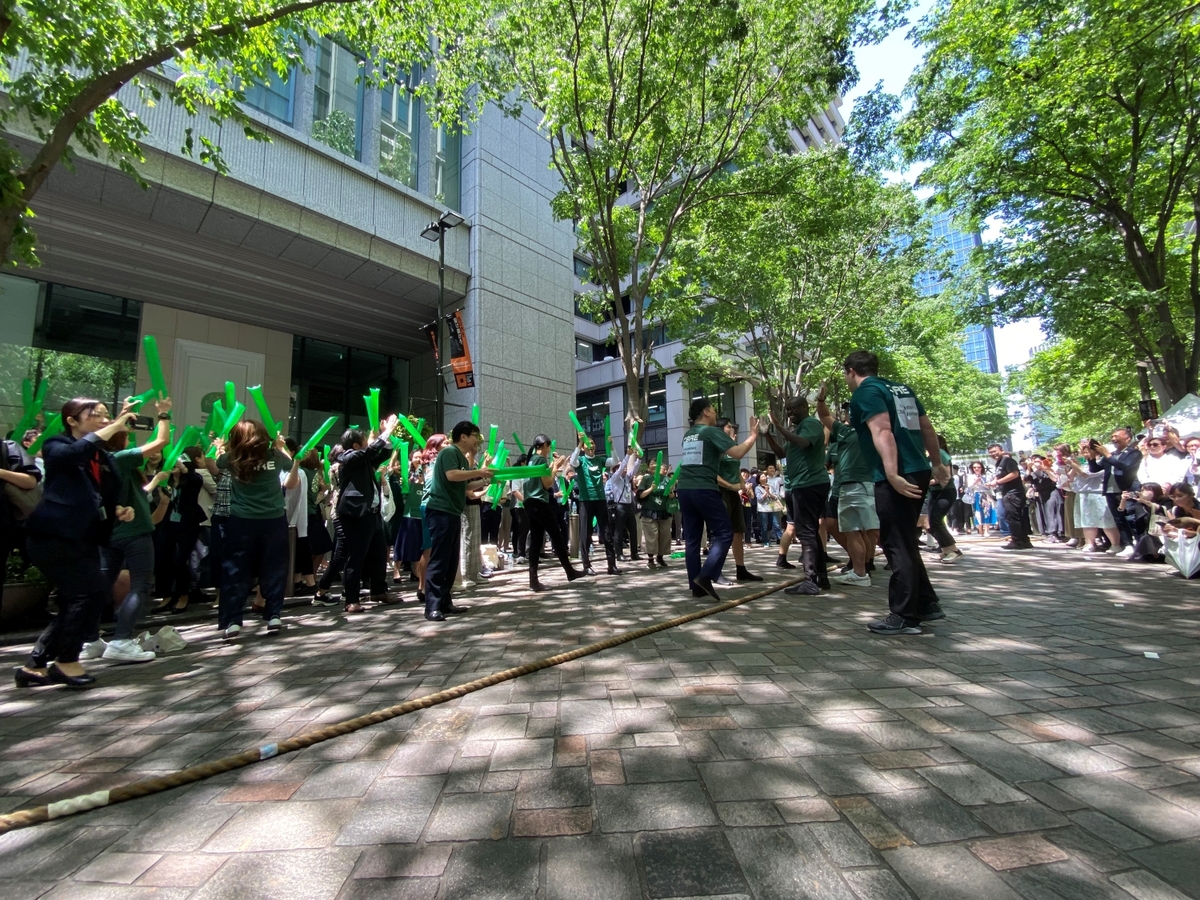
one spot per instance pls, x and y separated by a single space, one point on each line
347 779
1012 817
970 785
492 870
797 811
1069 880
947 873
391 889
403 861
844 775
843 844
606 767
527 753
117 868
592 867
690 863
295 825
1110 831
394 810
551 822
167 831
1144 886
283 875
876 884
471 817
553 789
421 759
1074 758
769 779
657 764
1016 852
928 816
182 870
255 793
1140 810
652 807
1178 863
786 864
586 717
1089 849
899 759
751 813
1009 762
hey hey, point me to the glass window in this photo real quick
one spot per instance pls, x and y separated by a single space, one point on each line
591 408
331 380
338 98
447 167
273 97
584 350
720 395
656 411
82 343
398 131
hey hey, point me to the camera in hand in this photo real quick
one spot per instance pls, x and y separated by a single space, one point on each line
142 423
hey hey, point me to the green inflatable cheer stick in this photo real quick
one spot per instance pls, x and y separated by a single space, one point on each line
518 473
235 416
137 401
493 434
587 441
171 455
633 434
413 430
216 418
517 441
671 481
154 366
53 427
658 469
312 442
404 485
264 412
325 462
607 433
421 425
475 414
372 400
230 394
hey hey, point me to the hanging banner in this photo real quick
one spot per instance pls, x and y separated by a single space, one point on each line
431 333
460 353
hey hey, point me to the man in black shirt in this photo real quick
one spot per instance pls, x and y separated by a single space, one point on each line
1012 497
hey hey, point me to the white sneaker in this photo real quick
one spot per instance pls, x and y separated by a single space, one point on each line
93 649
1127 553
1112 551
127 650
232 632
168 640
952 557
274 625
853 579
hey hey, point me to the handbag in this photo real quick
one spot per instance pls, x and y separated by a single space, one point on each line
22 501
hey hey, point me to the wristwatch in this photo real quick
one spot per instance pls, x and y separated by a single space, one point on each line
164 416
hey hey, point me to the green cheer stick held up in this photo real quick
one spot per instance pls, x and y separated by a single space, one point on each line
325 462
137 401
154 366
171 455
216 418
517 473
372 400
235 416
53 427
413 430
658 469
404 485
493 492
264 411
562 486
493 434
475 414
421 425
312 442
607 433
230 394
587 441
633 434
517 441
671 481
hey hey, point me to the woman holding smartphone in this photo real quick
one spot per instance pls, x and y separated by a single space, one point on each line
67 532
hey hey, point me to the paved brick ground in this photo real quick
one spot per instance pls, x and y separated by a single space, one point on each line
1026 747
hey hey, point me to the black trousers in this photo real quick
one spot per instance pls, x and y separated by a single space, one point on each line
445 532
621 519
337 561
543 521
180 540
489 524
1016 514
942 501
83 591
809 506
598 510
365 554
1114 506
1054 514
520 532
909 592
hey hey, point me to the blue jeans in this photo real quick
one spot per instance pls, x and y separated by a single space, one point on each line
253 547
445 531
766 527
137 555
703 509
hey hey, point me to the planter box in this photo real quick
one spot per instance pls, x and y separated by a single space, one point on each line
21 599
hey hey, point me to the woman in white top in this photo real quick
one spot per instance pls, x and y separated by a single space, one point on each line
1160 466
1092 514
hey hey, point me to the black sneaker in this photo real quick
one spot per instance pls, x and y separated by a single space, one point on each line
705 584
782 563
804 587
894 624
326 600
932 611
1011 546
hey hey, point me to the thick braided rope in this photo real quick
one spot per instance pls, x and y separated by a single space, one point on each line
147 786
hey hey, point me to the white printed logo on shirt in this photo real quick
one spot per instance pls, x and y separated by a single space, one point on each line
693 451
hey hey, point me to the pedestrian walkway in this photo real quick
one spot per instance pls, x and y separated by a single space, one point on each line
1042 742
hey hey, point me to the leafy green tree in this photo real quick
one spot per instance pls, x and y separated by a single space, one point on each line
648 105
1077 391
1077 125
70 61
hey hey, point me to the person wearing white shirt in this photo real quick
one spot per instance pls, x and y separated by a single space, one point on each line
1161 467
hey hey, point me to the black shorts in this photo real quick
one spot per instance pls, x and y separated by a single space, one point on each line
733 506
790 509
831 507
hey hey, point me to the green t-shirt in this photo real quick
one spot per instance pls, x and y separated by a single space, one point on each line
262 496
133 495
849 466
589 478
656 500
413 500
533 488
806 467
443 494
700 463
730 470
877 395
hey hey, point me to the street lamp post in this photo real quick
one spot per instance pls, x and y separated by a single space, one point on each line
436 231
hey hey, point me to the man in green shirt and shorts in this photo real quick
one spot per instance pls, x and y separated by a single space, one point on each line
856 516
808 482
897 442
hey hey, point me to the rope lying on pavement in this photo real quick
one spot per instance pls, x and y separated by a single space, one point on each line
36 815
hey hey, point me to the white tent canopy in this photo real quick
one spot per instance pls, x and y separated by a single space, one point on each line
1185 416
